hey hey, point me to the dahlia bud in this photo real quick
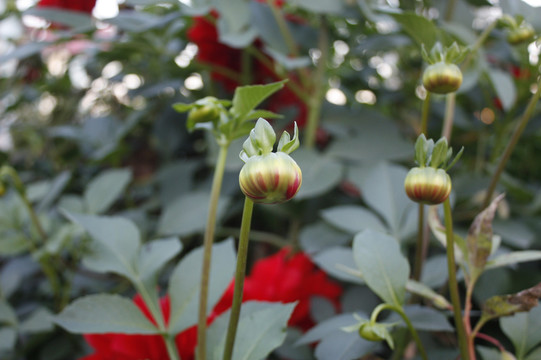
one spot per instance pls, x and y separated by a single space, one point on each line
371 332
520 34
204 110
428 185
271 178
442 78
268 177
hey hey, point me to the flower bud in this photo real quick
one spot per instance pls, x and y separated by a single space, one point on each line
442 78
270 178
205 113
427 185
373 332
523 33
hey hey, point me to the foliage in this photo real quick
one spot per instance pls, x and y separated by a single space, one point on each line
106 178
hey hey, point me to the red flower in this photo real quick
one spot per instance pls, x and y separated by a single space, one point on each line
85 6
283 277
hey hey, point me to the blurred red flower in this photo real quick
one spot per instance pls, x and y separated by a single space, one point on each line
85 6
283 277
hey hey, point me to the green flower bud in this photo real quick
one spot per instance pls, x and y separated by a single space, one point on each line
427 185
518 35
442 78
270 178
370 332
206 113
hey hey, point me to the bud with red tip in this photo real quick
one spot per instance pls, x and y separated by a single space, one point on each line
428 183
268 177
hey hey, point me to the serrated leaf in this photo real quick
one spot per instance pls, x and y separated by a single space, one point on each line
155 254
185 282
103 313
105 189
479 239
116 243
246 98
352 218
261 329
383 266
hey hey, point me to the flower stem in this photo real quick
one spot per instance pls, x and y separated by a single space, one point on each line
480 40
400 311
450 100
207 251
519 129
242 256
453 284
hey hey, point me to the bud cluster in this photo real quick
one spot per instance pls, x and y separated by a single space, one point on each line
518 30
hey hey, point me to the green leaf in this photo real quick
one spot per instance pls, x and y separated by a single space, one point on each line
421 289
187 214
263 20
338 262
41 320
479 239
182 107
8 338
419 28
319 236
383 266
287 62
24 51
383 190
105 189
341 345
504 86
320 173
7 314
261 329
327 327
352 218
103 313
320 6
54 190
513 258
12 244
523 329
266 114
116 243
246 98
74 19
139 21
423 318
154 255
185 282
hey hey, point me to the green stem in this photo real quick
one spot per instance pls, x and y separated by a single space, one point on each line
420 245
207 251
240 272
152 303
449 10
526 116
450 100
400 311
424 114
453 284
480 40
314 103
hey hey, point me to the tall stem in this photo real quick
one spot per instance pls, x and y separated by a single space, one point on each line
207 251
466 318
480 40
450 100
519 129
314 103
240 272
453 284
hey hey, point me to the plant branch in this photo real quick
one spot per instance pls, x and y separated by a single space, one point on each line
207 250
240 272
453 284
519 129
450 100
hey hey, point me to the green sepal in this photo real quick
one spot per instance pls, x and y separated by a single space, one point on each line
439 153
288 145
452 54
261 140
457 157
421 149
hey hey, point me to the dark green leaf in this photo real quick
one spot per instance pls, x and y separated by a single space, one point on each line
246 98
506 305
103 313
523 329
418 27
